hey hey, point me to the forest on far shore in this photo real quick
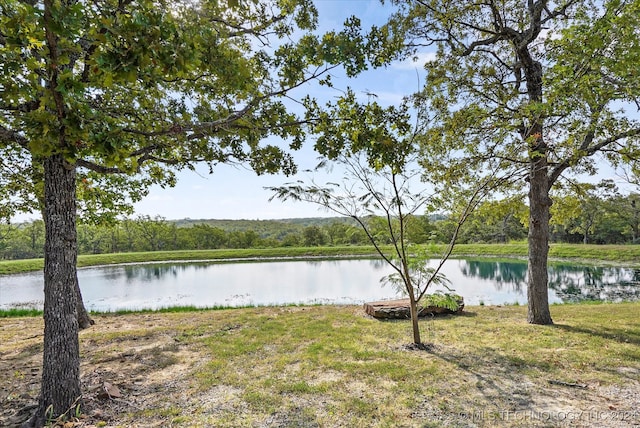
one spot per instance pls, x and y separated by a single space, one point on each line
595 220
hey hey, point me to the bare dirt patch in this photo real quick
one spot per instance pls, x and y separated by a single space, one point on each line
134 364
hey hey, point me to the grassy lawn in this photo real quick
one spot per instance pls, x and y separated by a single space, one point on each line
19 266
333 366
628 255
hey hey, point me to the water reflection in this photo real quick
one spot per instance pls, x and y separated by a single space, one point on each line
569 283
506 275
576 284
153 272
310 282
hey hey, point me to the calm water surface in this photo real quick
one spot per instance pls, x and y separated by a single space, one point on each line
327 282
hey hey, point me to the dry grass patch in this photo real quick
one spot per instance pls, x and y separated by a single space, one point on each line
331 366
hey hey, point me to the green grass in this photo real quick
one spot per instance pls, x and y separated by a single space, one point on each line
8 267
18 312
165 310
357 365
620 254
334 366
333 338
20 266
624 254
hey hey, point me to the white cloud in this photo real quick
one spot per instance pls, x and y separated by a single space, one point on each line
416 62
548 34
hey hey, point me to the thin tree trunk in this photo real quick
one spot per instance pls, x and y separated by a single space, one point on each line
60 390
413 304
413 310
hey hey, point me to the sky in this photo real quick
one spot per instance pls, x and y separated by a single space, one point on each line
236 192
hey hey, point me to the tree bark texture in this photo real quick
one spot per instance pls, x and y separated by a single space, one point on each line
538 277
60 390
539 200
37 165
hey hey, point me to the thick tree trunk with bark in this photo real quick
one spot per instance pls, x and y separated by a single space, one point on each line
538 278
37 165
539 200
60 391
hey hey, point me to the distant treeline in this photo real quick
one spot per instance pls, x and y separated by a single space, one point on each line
613 220
26 240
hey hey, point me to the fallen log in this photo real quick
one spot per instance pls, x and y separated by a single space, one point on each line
399 309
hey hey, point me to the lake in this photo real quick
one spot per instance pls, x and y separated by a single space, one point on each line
241 283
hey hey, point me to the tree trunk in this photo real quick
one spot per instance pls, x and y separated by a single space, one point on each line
539 215
413 309
538 277
539 201
413 305
84 320
60 390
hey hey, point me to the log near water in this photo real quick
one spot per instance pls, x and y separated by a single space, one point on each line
399 309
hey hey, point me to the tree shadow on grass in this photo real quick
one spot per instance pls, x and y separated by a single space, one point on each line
631 337
492 386
498 384
430 317
468 314
609 333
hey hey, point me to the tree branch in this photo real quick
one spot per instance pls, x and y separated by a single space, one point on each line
590 150
561 11
101 169
25 107
209 128
484 42
10 136
256 31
